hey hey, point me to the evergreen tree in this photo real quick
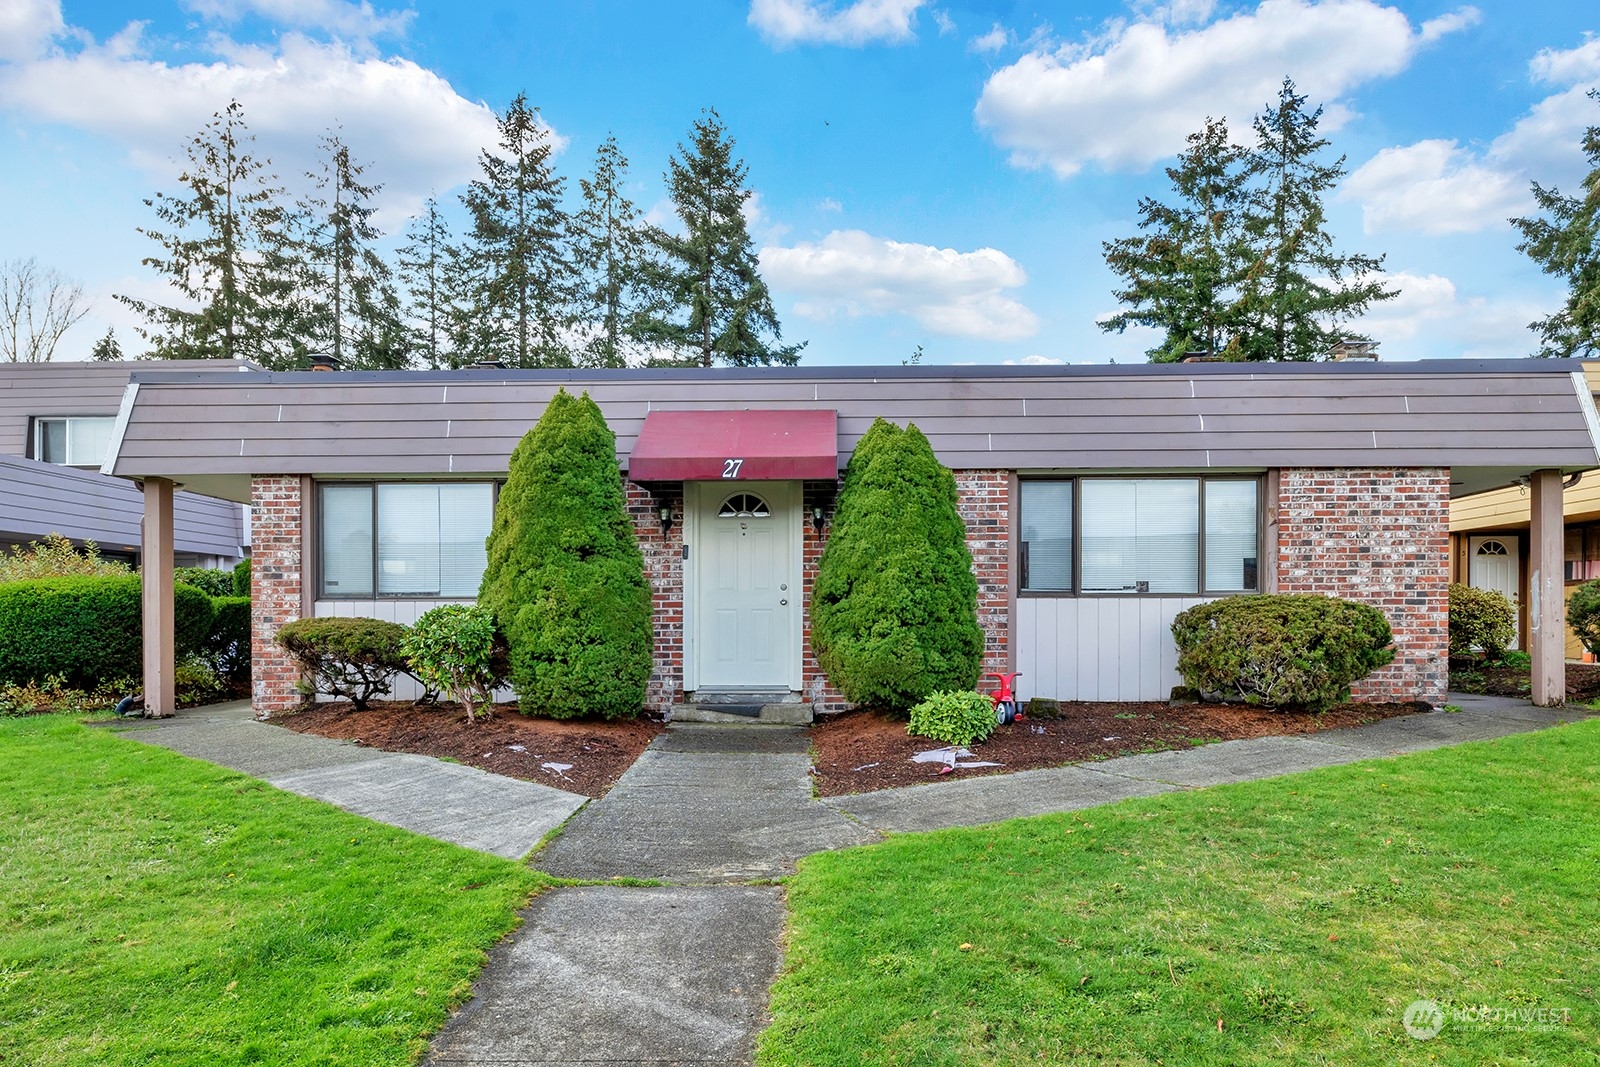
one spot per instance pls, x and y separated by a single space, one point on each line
1565 241
427 282
226 246
518 245
565 578
1303 289
352 310
610 250
1186 273
894 613
712 306
107 350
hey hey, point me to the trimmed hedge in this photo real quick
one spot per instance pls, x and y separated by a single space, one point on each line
211 583
1298 650
1583 615
241 578
227 646
354 658
86 629
895 611
565 578
1480 619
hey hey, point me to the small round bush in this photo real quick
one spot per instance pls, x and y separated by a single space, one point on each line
86 630
958 717
1480 619
1298 650
1583 615
241 578
455 649
354 658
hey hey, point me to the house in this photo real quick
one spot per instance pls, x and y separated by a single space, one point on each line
56 422
1489 536
1099 500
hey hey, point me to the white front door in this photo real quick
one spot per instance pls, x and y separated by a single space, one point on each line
746 591
1496 563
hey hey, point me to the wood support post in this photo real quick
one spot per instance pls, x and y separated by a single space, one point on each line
1547 608
156 567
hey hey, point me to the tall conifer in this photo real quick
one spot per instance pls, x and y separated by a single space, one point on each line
610 252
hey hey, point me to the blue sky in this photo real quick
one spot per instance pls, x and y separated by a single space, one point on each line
927 173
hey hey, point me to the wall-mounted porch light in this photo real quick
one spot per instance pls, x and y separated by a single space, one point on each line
816 518
666 519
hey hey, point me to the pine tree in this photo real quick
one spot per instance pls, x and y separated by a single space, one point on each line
353 312
565 578
712 306
227 247
1303 289
518 244
1565 241
610 251
1186 273
424 261
895 608
107 350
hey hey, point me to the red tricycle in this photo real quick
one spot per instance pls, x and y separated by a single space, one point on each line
1007 709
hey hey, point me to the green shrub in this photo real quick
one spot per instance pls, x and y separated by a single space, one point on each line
455 649
55 557
894 612
956 718
1583 614
1516 660
211 583
354 658
565 579
241 578
195 681
1480 619
1284 650
227 646
85 630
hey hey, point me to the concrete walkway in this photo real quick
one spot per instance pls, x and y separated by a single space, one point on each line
447 801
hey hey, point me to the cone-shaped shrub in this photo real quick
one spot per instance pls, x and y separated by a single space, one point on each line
894 615
565 579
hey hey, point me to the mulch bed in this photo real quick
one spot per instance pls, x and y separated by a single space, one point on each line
507 743
1583 681
860 750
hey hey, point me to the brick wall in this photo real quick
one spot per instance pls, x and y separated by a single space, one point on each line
984 500
276 521
1380 537
663 567
823 696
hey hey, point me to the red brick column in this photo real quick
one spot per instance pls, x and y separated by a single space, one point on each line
276 536
984 500
1381 537
663 568
824 698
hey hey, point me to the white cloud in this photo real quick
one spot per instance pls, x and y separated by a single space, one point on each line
417 133
997 38
1433 187
957 294
828 203
1130 98
1431 311
946 24
1566 67
1033 361
1449 23
27 26
788 22
354 20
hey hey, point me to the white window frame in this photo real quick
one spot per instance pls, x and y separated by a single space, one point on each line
323 593
71 421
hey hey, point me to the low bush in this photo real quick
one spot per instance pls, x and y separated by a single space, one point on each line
54 695
455 649
1480 619
55 557
353 658
958 717
211 583
227 647
1298 650
85 630
1583 614
241 578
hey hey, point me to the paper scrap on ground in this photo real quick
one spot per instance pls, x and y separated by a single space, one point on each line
517 748
952 757
559 768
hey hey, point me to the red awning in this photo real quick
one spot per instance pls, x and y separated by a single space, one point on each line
686 446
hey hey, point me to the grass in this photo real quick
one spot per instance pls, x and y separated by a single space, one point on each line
159 910
1287 921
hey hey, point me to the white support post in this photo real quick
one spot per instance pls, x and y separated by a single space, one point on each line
160 648
1547 607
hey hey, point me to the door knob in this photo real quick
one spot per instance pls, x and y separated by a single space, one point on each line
784 602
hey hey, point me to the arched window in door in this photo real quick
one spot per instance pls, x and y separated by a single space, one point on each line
744 506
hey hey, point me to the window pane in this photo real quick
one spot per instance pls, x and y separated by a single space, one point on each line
1232 550
88 441
465 514
346 540
1047 535
53 441
1141 535
408 539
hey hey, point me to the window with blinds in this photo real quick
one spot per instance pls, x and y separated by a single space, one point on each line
1133 536
404 539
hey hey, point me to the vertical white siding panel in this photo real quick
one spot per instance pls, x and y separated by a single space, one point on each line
1069 674
1086 649
1046 664
1131 651
1098 648
1025 639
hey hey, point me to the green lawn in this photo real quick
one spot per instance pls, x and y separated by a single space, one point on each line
1304 913
159 910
